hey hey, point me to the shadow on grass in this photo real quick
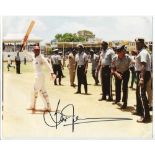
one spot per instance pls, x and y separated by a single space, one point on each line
86 94
128 109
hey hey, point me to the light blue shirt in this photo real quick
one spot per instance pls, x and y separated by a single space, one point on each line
107 57
55 59
143 56
81 59
121 65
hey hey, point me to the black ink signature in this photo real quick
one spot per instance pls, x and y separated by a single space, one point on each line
58 117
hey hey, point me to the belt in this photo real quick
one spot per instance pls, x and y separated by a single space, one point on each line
123 72
105 66
140 71
80 66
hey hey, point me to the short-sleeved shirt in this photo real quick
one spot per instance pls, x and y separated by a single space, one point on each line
107 57
94 60
133 61
81 59
55 59
121 65
143 56
17 58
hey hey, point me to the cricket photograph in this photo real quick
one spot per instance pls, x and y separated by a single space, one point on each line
77 77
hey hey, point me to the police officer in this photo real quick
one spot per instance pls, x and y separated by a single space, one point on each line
105 64
132 68
94 61
25 60
143 68
18 62
81 59
57 65
62 75
120 69
149 84
71 66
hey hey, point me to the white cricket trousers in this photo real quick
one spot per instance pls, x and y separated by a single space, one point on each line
39 87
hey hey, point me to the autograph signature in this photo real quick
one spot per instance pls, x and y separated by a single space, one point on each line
58 117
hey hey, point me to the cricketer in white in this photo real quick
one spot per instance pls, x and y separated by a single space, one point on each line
39 82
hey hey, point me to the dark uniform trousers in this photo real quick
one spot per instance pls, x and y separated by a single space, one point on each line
95 76
18 67
81 77
24 61
106 86
118 85
142 106
133 76
57 72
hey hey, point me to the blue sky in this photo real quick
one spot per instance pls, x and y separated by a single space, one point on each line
104 27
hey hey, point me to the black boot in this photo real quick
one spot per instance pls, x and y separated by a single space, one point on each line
102 98
124 106
110 99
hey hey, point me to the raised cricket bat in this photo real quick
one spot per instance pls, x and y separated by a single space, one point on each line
27 35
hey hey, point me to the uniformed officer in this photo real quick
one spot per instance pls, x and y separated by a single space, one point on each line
18 62
149 84
143 68
81 59
71 67
62 75
57 65
132 68
25 60
94 61
120 69
105 64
